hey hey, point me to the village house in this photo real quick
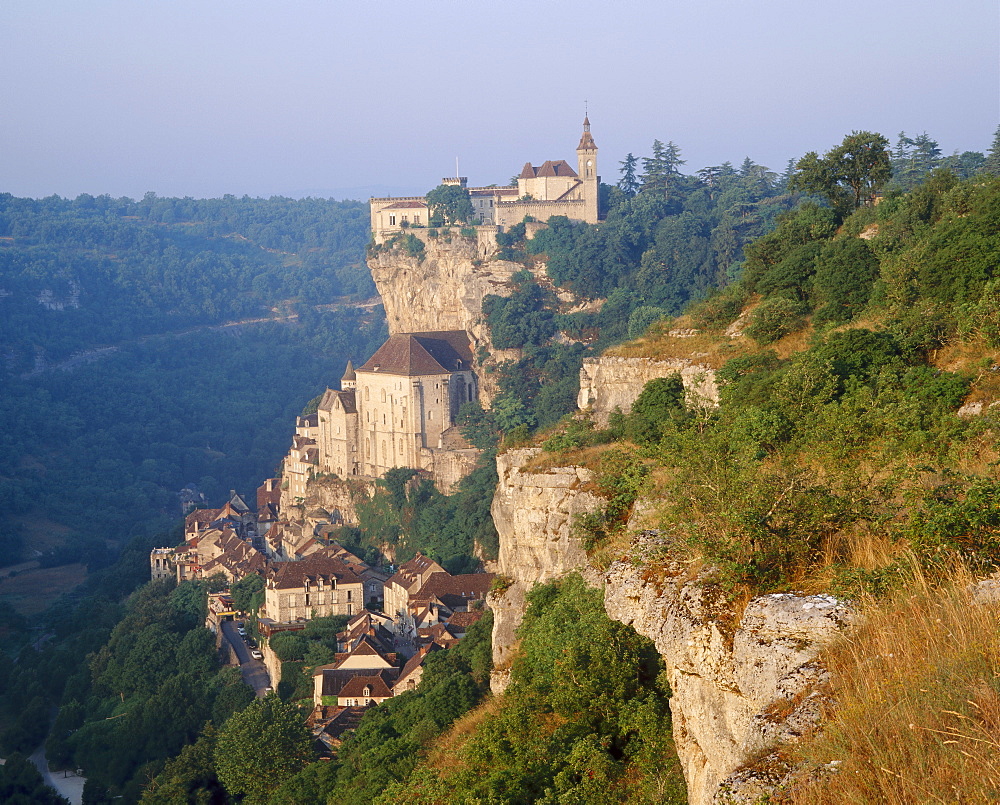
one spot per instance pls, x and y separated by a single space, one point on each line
313 587
422 594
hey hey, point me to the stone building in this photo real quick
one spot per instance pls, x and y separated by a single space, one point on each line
313 587
552 188
399 410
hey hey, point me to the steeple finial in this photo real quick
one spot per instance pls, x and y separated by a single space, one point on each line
586 139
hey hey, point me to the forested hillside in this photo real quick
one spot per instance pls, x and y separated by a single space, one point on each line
95 451
846 334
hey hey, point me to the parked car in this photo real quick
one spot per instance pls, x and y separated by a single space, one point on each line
242 630
256 654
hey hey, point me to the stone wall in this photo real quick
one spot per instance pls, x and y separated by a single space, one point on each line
608 382
739 690
533 513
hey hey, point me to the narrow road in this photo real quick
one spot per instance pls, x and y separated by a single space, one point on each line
67 783
254 671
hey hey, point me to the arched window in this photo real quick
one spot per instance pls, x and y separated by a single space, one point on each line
367 394
383 395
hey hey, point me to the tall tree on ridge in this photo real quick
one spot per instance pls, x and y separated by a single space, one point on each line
991 167
629 183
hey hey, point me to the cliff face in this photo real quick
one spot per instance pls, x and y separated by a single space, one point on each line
444 288
533 513
738 690
609 382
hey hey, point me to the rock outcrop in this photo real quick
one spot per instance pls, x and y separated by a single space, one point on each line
609 382
533 512
738 689
443 288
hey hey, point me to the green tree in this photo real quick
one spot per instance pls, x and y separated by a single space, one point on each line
261 747
991 167
629 183
248 593
189 777
850 175
659 400
449 204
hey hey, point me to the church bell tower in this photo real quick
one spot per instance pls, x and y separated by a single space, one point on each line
586 160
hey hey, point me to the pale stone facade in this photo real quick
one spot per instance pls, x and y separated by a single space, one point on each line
399 409
313 587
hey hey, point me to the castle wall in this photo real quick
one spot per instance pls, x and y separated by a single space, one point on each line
511 213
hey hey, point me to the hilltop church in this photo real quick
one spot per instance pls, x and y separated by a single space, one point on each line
552 188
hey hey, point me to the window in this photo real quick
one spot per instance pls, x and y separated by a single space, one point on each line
392 220
383 395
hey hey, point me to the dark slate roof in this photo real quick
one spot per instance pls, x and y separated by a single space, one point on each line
551 167
347 400
415 354
586 139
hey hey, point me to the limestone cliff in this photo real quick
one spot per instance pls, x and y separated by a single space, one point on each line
533 513
443 287
609 382
738 689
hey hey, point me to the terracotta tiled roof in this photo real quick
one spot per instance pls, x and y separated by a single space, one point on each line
414 354
334 679
468 586
292 575
202 516
355 688
557 167
406 205
463 620
527 172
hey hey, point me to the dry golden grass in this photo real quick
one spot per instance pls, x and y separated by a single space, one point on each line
917 720
709 348
580 457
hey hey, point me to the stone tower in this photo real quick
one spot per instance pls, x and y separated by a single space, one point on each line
586 160
350 378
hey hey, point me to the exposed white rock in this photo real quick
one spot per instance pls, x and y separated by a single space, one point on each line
608 382
737 692
444 289
534 514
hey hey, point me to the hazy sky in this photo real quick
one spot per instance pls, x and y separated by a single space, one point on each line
328 97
